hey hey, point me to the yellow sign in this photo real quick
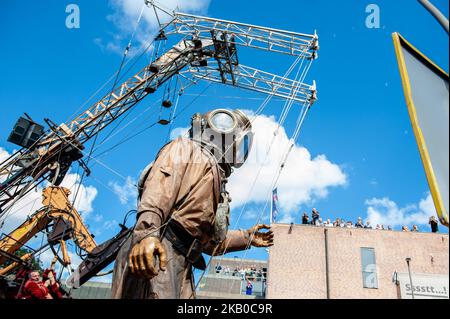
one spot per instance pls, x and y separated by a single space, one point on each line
427 96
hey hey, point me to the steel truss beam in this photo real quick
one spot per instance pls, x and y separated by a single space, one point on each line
246 35
256 80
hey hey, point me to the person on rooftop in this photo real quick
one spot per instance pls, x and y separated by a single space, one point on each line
305 219
434 224
319 222
337 222
315 216
359 223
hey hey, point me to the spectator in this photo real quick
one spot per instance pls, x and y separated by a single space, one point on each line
349 224
328 223
368 226
259 275
249 288
405 228
315 216
415 228
382 227
378 227
305 218
359 223
337 222
342 224
319 222
35 288
389 227
434 224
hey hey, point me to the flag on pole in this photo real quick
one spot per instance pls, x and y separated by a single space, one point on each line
274 210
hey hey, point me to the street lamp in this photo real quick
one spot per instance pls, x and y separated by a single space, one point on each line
408 259
443 21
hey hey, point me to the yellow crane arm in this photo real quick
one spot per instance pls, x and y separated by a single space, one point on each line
56 205
57 198
18 237
12 266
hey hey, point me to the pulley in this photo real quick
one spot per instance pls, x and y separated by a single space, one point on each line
167 103
163 121
149 90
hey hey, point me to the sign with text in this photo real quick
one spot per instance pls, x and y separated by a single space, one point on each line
423 286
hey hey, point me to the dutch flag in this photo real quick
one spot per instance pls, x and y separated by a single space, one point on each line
274 210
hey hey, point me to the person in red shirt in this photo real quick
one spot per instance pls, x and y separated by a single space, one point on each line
35 288
49 276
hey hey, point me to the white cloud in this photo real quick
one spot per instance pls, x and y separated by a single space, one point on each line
85 196
21 210
110 224
97 218
127 192
126 13
251 214
304 178
3 154
386 212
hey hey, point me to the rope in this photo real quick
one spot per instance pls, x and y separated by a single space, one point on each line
174 110
259 110
126 139
128 124
275 180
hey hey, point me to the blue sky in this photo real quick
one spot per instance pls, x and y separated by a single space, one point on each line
360 122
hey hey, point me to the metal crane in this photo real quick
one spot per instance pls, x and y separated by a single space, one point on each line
208 50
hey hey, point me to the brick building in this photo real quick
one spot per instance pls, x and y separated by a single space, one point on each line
327 262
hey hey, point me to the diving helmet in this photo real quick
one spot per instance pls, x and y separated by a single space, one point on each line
227 134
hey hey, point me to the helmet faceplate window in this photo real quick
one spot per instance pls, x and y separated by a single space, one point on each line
222 122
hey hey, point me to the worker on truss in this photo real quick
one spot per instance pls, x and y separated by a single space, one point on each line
183 210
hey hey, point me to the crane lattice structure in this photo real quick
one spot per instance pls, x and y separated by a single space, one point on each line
208 50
